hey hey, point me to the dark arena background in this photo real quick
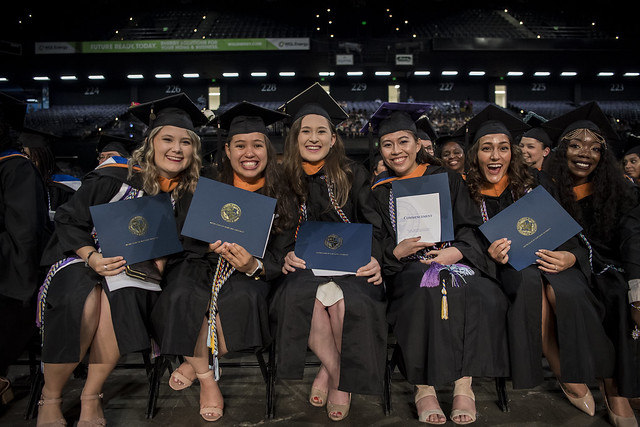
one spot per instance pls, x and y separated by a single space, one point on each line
80 65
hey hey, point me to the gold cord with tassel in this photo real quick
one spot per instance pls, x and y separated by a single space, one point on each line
444 310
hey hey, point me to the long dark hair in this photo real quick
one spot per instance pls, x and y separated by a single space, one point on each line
422 156
520 177
272 185
612 194
336 166
44 160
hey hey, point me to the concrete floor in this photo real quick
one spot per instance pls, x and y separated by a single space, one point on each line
244 391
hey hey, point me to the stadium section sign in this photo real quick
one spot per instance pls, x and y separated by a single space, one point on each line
186 45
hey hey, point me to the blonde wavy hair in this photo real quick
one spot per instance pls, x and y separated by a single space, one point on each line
143 157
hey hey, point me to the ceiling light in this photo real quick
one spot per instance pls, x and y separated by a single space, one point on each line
163 76
135 76
191 75
568 74
631 74
230 74
287 73
515 73
68 78
41 78
383 73
354 73
4 79
477 73
421 73
326 73
96 77
449 73
259 74
605 74
542 74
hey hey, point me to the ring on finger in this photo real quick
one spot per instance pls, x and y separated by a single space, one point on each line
105 267
556 267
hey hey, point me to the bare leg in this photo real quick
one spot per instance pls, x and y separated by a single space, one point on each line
210 394
56 375
336 318
103 357
322 343
550 347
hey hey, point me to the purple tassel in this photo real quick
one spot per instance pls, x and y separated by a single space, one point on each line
430 279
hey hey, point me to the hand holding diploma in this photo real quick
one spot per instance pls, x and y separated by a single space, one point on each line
371 270
498 251
554 261
409 246
236 255
291 262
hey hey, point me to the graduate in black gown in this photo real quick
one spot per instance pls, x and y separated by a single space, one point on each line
631 159
78 313
112 145
60 187
182 317
341 318
442 339
23 230
592 188
553 311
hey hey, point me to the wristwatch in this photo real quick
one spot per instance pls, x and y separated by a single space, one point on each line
258 269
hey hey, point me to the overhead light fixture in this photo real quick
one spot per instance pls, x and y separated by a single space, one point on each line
477 73
568 74
605 74
163 76
326 73
515 73
541 74
633 74
354 73
4 79
135 76
449 73
259 74
41 78
382 73
68 78
191 75
287 73
230 74
421 73
96 77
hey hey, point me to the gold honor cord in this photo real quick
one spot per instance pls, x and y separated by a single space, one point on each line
223 271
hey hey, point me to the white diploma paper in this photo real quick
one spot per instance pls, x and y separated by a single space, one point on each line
418 216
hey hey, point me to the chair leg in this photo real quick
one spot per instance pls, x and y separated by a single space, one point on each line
271 382
386 396
263 366
159 365
37 382
503 399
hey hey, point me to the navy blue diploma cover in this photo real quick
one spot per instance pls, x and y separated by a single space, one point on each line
417 201
138 229
535 221
223 212
336 246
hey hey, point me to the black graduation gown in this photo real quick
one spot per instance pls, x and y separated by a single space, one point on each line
473 341
242 301
622 251
24 230
585 351
364 335
70 286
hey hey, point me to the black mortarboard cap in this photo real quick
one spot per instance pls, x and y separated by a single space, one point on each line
33 138
314 100
539 134
588 116
425 128
246 117
175 110
633 144
492 119
12 111
124 146
395 116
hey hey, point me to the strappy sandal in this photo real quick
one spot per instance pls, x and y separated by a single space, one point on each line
179 376
6 392
96 422
209 413
427 391
463 388
55 401
334 409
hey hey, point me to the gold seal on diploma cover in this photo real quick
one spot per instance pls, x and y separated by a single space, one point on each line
230 212
526 226
138 225
333 241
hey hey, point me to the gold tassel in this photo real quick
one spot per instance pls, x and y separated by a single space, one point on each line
444 310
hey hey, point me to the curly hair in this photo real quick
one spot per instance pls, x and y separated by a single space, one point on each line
336 166
144 157
612 196
520 177
272 185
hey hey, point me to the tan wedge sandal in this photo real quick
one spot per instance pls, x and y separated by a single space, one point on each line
423 391
463 388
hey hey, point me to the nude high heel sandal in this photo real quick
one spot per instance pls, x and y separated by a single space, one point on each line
463 388
426 391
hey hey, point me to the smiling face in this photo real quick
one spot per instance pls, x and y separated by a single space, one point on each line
247 155
494 156
533 151
173 151
399 150
428 145
632 165
315 138
583 155
453 156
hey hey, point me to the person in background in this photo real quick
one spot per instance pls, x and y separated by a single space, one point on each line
23 234
78 313
450 149
427 135
111 145
631 160
592 188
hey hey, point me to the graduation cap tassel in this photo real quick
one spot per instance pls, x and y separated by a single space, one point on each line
444 307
